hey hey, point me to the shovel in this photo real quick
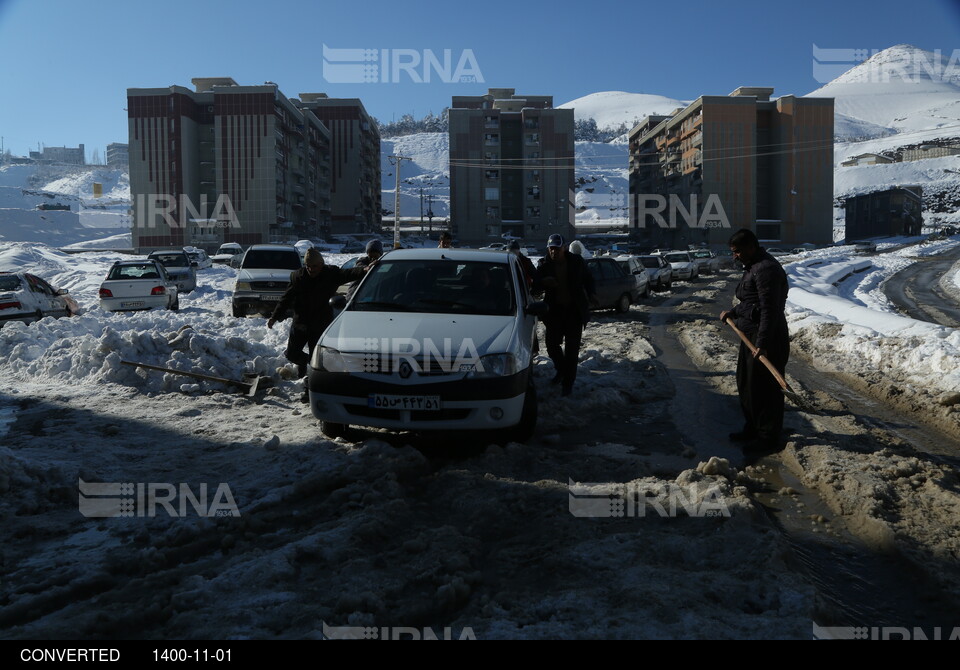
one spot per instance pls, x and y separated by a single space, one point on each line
250 388
787 390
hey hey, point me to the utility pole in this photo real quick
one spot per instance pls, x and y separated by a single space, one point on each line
397 161
421 210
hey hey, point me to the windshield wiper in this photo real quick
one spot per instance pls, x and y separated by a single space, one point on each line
381 305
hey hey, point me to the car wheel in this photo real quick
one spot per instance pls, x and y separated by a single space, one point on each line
38 314
175 307
623 304
646 290
523 431
238 312
333 430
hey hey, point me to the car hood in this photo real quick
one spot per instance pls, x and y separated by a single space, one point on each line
352 330
252 274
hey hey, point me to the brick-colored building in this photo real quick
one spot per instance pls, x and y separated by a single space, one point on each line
891 212
225 163
511 167
729 162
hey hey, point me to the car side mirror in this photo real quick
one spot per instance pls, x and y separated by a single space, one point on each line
537 308
338 301
62 291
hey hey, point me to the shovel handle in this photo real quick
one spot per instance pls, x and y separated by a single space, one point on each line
763 359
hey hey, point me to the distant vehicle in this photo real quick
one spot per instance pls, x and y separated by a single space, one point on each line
682 264
226 252
864 247
774 251
659 272
725 256
198 258
264 277
138 285
353 247
633 266
706 261
27 298
615 289
496 246
178 266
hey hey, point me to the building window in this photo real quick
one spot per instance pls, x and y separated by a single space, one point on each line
491 139
533 193
492 193
493 212
531 122
491 174
491 156
491 122
533 212
533 139
535 176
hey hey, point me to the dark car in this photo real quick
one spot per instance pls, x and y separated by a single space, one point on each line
614 287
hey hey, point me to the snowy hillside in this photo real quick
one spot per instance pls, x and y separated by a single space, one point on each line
610 109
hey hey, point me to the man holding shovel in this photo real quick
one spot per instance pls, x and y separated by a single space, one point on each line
762 293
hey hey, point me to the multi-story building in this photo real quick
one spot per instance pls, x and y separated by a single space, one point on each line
67 155
729 162
891 212
118 155
225 163
511 167
354 161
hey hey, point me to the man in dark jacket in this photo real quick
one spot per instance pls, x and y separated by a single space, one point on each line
762 293
569 289
309 296
374 251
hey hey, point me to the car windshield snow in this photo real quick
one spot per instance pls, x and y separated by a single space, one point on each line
437 286
9 283
272 259
172 260
145 271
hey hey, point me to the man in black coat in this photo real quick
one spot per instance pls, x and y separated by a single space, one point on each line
309 294
569 290
762 293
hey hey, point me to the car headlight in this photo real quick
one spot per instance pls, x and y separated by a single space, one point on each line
494 365
328 360
242 286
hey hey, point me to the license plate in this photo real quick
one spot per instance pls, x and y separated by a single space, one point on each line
132 304
413 402
271 298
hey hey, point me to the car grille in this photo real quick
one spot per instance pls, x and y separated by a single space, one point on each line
453 414
385 364
269 285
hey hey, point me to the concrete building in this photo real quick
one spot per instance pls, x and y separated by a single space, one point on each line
118 155
225 163
930 151
729 162
895 211
511 167
354 162
867 159
67 155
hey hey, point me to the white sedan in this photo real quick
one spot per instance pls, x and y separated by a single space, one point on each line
138 285
28 298
682 264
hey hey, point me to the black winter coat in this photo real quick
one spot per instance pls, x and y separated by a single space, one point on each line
579 283
763 294
309 297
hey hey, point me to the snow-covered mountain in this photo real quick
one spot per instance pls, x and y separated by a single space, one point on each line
610 109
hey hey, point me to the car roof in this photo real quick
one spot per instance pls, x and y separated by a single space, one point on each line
489 255
273 247
136 261
167 251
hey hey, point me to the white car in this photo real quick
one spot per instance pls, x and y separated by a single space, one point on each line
263 278
178 266
658 271
706 260
226 252
682 265
432 340
634 267
198 258
27 298
138 285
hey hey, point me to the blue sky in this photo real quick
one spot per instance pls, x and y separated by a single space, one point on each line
67 64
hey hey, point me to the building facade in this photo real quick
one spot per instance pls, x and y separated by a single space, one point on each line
892 212
511 167
354 162
118 155
225 163
67 155
925 151
729 162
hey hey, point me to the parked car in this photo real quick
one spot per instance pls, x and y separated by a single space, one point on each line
496 246
198 258
27 298
452 334
178 266
615 289
727 260
138 285
263 278
682 265
226 252
635 268
706 260
775 251
864 247
659 272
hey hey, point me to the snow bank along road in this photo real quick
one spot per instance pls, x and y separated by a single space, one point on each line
393 531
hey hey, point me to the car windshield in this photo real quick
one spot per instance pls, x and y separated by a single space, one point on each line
171 260
677 258
701 254
272 259
142 271
649 262
229 249
9 283
437 286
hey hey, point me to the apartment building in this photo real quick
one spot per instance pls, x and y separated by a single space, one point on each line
511 167
891 212
354 162
729 162
118 155
225 163
66 155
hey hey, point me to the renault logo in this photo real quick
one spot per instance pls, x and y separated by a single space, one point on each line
405 370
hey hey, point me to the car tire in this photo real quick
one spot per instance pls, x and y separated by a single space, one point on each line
38 314
333 430
646 291
524 430
623 304
175 307
238 312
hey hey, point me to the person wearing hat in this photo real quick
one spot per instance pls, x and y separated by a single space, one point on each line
308 295
529 269
446 241
569 290
374 250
